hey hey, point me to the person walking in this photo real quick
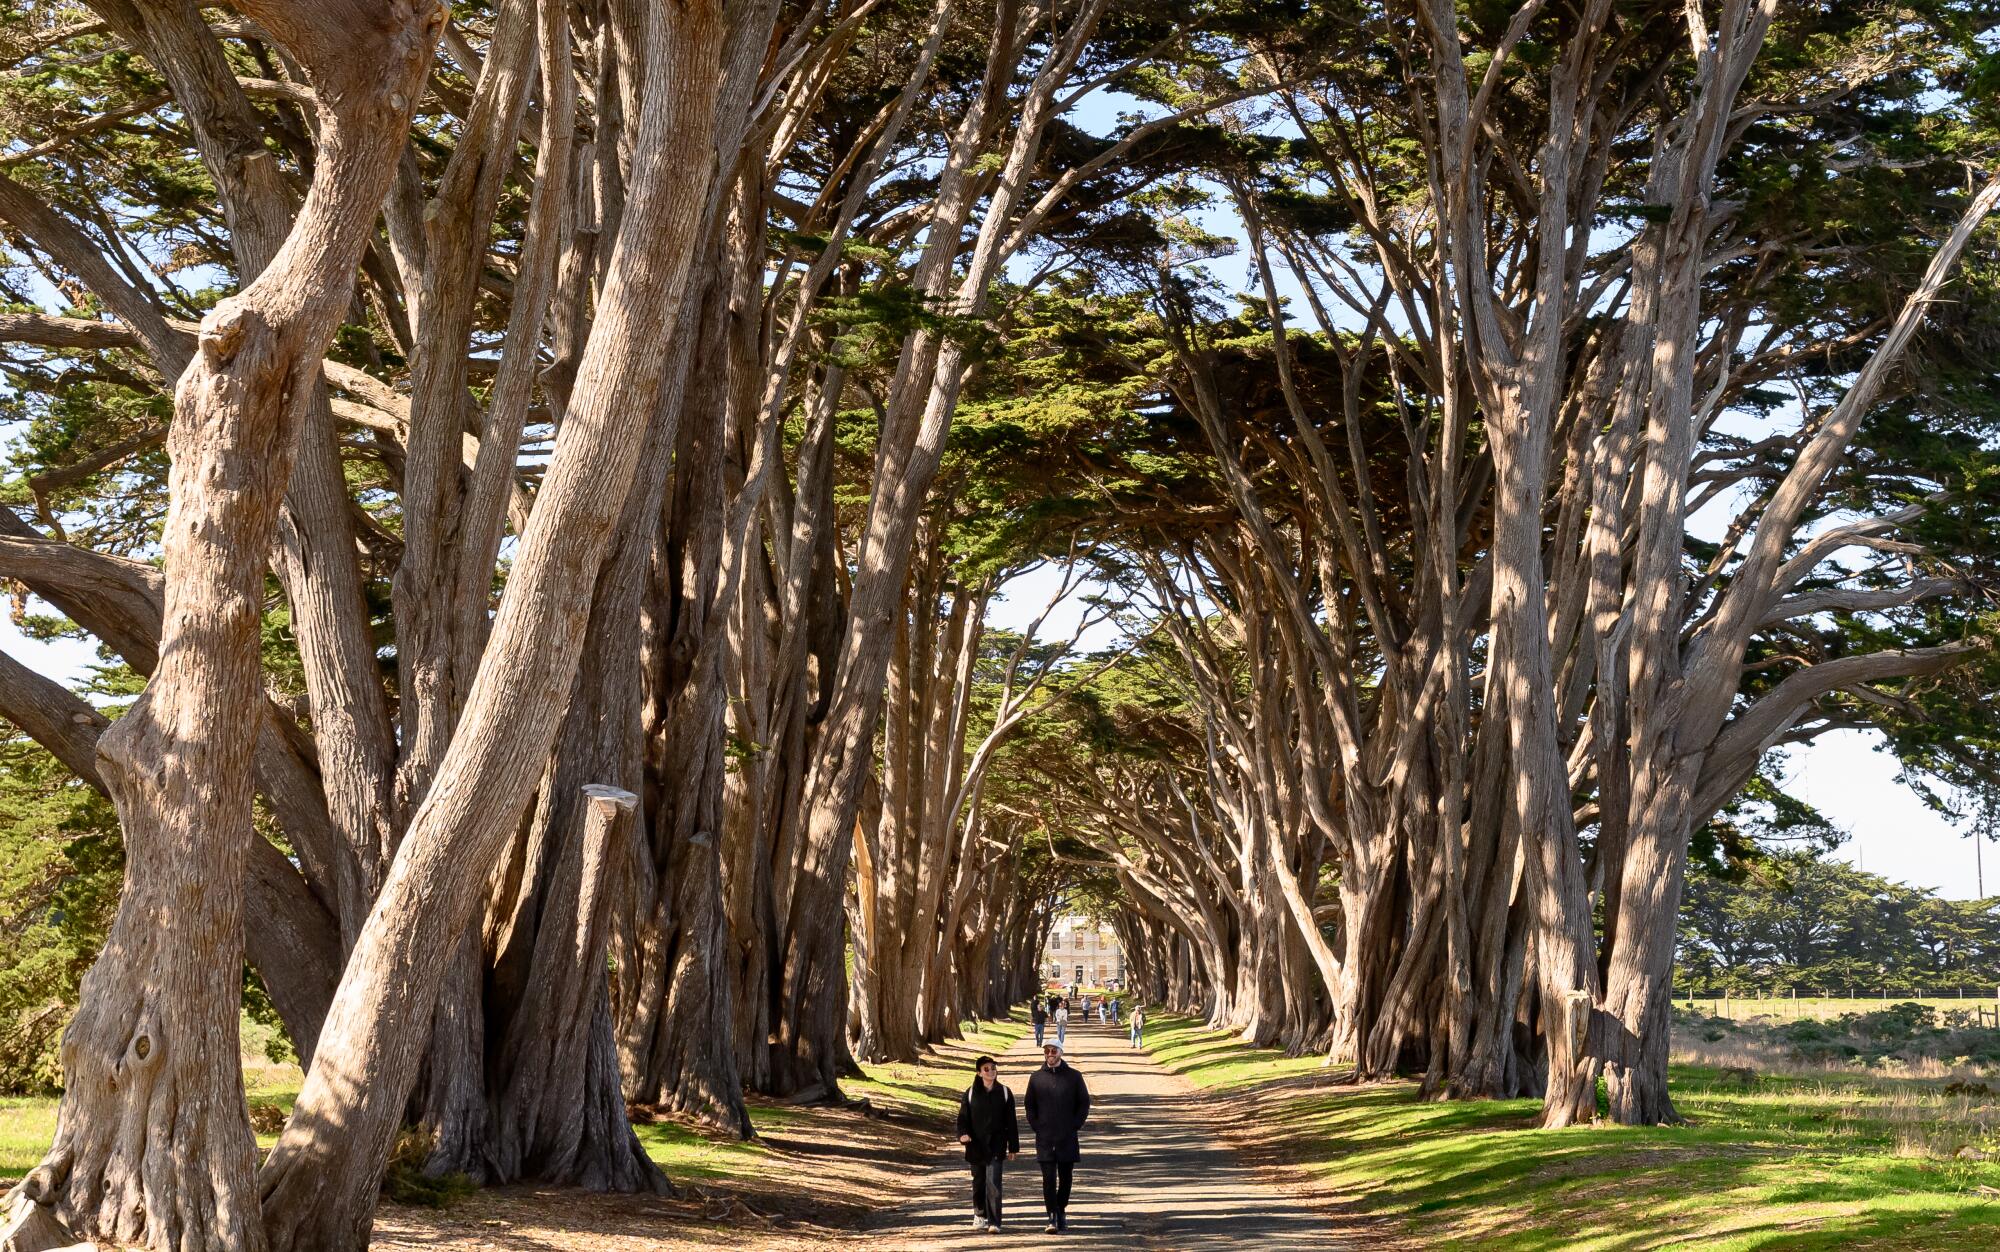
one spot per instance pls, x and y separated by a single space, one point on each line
1040 1016
991 1135
1114 1010
1062 1023
1138 1025
1057 1104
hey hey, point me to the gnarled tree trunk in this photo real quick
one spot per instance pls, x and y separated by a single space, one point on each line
320 1181
153 1141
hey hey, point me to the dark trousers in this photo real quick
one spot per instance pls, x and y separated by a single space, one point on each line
986 1188
1055 1185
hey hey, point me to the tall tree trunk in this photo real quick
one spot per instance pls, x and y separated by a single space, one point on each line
559 1111
320 1181
153 1141
678 965
1565 946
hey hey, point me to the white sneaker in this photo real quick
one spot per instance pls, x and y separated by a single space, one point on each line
980 1223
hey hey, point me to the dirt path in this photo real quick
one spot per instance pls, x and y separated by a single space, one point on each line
1154 1173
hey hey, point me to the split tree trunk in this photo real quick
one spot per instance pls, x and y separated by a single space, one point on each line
320 1181
153 1141
559 1114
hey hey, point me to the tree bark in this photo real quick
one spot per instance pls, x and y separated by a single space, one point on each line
153 1141
320 1181
558 1113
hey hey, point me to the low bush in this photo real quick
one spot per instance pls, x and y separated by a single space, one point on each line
1907 1033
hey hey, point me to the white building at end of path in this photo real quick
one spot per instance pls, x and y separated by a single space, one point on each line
1083 951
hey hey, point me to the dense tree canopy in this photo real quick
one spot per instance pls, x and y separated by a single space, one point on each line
554 467
1795 922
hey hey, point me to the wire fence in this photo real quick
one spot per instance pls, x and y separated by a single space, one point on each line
1980 1006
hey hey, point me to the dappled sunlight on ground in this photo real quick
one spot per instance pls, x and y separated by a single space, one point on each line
1767 1161
1155 1173
808 1178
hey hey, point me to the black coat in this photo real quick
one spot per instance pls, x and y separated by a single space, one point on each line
988 1118
1057 1104
1040 1015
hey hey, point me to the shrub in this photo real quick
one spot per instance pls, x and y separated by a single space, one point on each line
60 867
407 1182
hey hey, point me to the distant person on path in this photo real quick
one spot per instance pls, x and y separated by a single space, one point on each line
1114 1012
1062 1025
1057 1104
991 1135
1039 1016
1138 1025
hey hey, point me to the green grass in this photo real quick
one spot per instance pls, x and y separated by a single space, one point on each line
930 1087
1217 1059
1790 1163
27 1124
687 1153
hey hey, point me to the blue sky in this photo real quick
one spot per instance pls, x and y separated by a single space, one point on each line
1843 774
1890 831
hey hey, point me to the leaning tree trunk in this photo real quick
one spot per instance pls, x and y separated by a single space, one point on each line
153 1141
559 1111
450 1100
675 983
315 554
321 1180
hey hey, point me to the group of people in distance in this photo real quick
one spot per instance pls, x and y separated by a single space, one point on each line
1107 1008
1057 1104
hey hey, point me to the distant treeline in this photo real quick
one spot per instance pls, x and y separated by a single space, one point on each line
1799 921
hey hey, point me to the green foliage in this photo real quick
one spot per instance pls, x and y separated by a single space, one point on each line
62 865
1798 920
61 862
263 1030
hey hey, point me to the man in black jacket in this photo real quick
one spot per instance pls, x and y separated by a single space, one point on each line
1057 1104
991 1134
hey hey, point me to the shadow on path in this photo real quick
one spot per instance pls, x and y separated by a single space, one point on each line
1154 1173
